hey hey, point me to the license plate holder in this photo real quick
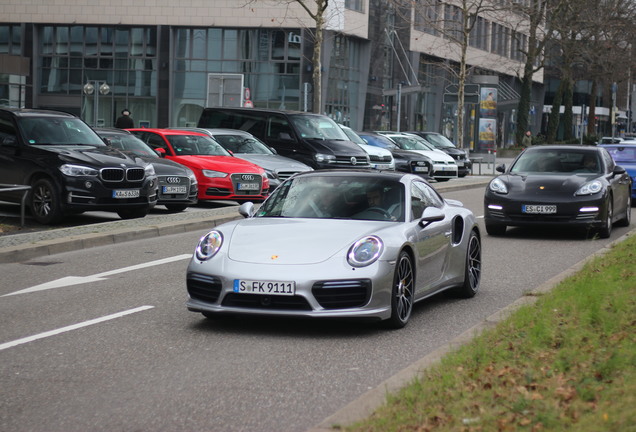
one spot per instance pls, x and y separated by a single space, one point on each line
281 288
126 193
248 186
174 189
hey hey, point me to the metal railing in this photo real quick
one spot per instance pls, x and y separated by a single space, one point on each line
17 188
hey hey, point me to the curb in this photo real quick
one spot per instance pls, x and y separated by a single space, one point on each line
365 405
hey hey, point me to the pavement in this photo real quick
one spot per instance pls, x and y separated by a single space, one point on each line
28 245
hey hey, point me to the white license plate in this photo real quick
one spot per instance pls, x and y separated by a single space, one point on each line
420 169
539 209
249 186
460 163
126 193
448 168
264 287
175 189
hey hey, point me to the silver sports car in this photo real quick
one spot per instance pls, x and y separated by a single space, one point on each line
338 244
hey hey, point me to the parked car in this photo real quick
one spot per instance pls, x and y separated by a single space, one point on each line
69 168
624 154
610 140
379 158
246 146
177 183
313 139
405 161
559 186
444 166
220 175
354 243
440 142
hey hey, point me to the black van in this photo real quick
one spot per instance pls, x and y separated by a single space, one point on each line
313 139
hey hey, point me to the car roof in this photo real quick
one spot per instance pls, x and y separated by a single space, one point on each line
356 173
167 131
26 112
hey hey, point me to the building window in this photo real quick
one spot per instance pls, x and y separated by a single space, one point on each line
356 5
427 18
11 39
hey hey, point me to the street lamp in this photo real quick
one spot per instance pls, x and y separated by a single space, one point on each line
89 89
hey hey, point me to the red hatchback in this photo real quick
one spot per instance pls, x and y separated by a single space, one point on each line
220 175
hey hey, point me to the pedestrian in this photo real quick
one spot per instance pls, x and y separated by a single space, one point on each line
125 121
526 141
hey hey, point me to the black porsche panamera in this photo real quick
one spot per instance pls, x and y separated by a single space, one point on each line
559 185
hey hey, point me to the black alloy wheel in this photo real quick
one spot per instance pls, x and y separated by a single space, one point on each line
472 271
402 294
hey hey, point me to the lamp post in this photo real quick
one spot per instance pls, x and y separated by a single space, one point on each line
89 89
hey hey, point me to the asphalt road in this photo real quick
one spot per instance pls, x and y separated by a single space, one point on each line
150 365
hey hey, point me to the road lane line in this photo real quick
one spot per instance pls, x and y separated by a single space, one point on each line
76 280
72 327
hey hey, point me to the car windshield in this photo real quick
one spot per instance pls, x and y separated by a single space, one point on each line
336 197
200 145
129 143
58 131
317 127
550 161
380 141
622 153
241 144
353 136
439 141
408 143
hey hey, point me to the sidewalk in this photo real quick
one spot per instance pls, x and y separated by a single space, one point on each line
25 246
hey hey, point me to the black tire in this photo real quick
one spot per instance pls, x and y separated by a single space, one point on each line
133 213
626 220
606 230
402 293
176 207
442 179
472 271
495 229
45 202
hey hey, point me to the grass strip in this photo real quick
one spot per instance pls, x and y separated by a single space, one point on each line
567 362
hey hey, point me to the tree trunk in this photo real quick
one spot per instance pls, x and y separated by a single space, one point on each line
523 108
567 111
317 71
553 120
591 118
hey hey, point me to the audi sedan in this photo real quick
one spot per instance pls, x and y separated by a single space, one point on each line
559 186
335 244
220 175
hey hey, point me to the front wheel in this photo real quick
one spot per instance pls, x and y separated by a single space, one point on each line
45 202
627 218
606 229
472 271
133 213
402 294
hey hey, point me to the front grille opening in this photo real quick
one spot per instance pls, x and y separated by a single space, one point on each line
342 294
266 302
204 287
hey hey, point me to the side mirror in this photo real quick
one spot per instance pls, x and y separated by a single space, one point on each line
619 170
247 209
430 215
501 168
273 150
161 152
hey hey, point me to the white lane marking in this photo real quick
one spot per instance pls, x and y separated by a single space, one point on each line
72 327
76 280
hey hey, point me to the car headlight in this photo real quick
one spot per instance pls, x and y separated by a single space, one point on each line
78 170
497 185
324 158
590 188
214 174
209 245
365 251
149 170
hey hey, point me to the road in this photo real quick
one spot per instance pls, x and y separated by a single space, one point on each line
100 340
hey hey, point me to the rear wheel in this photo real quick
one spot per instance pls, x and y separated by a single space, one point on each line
45 202
472 272
133 213
402 294
606 230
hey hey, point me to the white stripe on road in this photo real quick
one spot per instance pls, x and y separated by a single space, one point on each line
72 327
76 280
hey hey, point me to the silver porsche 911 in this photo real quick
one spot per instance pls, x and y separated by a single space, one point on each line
338 244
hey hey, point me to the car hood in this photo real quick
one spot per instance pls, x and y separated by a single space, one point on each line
435 156
94 156
375 151
338 147
294 241
227 164
539 185
274 162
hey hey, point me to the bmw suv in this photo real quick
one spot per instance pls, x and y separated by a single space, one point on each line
69 168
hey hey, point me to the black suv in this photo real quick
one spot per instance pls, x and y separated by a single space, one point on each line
69 168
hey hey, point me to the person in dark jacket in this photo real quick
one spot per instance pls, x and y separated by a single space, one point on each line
125 121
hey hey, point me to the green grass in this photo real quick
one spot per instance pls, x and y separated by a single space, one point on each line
567 362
